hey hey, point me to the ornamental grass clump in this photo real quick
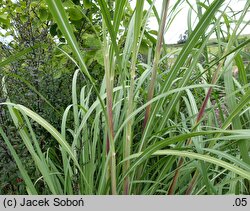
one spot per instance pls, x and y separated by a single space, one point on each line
154 125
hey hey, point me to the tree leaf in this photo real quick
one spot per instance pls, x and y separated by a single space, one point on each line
87 4
75 14
43 14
